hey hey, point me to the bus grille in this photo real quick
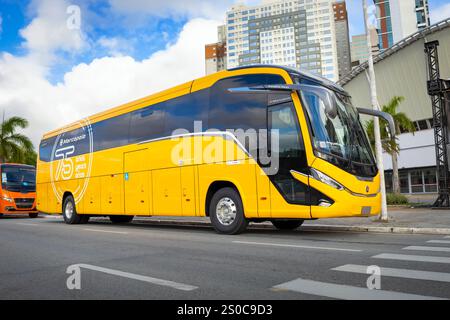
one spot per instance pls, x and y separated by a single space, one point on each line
24 203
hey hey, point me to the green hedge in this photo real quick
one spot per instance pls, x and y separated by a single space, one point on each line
396 199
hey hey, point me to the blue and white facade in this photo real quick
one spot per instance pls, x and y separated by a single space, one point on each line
295 33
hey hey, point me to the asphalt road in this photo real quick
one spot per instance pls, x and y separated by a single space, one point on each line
145 261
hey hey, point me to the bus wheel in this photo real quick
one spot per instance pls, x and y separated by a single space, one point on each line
70 212
121 219
33 215
287 224
227 212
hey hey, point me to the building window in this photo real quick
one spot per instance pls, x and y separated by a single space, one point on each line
430 180
404 182
414 181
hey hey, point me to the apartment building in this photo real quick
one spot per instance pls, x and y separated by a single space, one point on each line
342 38
397 19
298 33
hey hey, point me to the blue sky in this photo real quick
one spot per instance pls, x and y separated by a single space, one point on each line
142 34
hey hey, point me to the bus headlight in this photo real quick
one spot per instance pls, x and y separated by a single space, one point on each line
322 177
7 199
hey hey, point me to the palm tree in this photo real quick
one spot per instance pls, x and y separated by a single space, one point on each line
390 146
14 146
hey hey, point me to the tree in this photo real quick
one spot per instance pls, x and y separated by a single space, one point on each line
390 146
14 146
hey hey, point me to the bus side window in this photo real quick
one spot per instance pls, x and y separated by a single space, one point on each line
183 111
147 123
246 112
239 111
45 149
111 133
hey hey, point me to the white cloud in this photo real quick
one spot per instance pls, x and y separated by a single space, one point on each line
49 31
191 8
440 13
101 84
116 46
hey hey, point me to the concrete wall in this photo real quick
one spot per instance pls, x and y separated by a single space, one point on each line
404 74
416 151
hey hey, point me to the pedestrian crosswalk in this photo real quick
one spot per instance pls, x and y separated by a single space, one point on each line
408 257
439 241
398 273
343 291
424 248
340 291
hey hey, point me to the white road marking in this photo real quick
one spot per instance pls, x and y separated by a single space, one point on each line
295 246
106 231
406 257
160 282
398 273
339 291
439 241
423 248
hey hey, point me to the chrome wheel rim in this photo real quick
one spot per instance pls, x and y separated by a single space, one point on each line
226 211
68 211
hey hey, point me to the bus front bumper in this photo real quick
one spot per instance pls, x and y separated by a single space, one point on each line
346 203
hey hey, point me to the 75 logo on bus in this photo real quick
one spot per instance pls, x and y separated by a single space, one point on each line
65 167
68 164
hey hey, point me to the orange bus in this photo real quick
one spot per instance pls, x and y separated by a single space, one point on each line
18 189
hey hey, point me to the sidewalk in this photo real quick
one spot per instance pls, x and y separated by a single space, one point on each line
401 220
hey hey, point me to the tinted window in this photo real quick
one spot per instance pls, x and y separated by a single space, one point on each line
183 111
111 133
147 123
68 144
18 178
45 149
291 153
72 143
239 110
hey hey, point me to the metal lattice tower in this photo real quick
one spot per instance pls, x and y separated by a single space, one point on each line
437 90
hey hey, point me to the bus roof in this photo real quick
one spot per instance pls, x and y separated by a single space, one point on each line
302 74
187 88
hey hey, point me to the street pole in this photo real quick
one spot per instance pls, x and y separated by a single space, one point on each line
376 121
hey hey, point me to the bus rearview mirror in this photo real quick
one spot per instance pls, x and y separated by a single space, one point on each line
383 115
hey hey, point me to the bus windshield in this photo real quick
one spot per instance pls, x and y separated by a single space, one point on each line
337 133
18 179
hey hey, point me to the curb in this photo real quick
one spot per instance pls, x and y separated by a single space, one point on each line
368 229
317 227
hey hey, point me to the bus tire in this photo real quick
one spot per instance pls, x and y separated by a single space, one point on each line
121 219
70 214
227 212
287 224
33 215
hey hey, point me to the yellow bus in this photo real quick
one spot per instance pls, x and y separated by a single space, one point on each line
259 143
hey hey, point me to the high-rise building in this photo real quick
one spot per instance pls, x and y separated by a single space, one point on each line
215 57
360 54
342 38
278 40
397 19
216 53
299 33
222 33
